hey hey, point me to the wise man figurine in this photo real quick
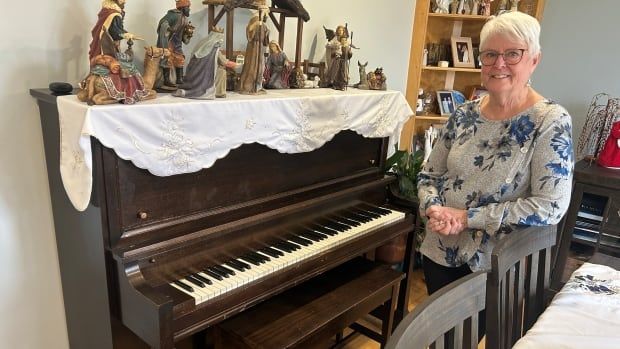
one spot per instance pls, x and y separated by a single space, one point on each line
113 77
173 31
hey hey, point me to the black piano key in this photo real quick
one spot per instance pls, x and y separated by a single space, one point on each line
299 240
310 236
322 229
282 247
340 221
238 265
287 246
292 245
184 286
273 252
242 263
203 279
195 281
253 257
332 225
219 272
250 260
357 217
213 274
365 213
345 220
260 258
315 233
225 270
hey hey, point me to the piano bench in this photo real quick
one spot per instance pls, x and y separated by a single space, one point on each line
310 315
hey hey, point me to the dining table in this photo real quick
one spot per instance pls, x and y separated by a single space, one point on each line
585 313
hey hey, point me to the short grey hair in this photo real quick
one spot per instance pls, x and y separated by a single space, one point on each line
515 24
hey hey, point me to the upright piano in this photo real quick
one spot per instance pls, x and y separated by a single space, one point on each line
169 256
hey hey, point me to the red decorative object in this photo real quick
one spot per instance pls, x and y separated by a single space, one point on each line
610 155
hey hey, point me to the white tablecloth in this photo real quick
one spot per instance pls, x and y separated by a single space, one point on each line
170 135
585 314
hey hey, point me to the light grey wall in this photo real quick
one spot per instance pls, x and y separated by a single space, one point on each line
580 46
49 42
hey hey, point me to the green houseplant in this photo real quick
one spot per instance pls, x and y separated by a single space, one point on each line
406 166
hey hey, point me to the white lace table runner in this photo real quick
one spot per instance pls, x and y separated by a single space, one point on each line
170 135
584 314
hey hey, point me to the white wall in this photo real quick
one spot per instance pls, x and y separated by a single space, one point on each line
50 43
580 53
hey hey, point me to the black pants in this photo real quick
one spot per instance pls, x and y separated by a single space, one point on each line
438 276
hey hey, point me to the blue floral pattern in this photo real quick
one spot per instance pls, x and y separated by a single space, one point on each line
506 174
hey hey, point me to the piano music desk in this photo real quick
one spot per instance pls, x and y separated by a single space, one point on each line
311 314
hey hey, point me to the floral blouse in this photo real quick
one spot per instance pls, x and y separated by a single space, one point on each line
506 174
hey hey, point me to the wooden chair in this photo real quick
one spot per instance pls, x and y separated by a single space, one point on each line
518 284
451 312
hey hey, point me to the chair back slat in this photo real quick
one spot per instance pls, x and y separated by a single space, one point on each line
517 284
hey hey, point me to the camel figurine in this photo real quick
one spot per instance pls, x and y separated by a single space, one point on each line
95 89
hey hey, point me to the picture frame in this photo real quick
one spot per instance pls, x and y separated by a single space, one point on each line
462 52
446 102
477 92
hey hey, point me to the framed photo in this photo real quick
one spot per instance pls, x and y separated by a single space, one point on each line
477 92
462 52
446 102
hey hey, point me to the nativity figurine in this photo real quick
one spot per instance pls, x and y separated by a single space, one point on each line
337 76
377 80
174 30
337 57
277 68
363 84
113 77
251 80
206 72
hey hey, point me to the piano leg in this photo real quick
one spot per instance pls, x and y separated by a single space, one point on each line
402 308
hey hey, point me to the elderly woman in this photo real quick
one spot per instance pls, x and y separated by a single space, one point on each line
503 161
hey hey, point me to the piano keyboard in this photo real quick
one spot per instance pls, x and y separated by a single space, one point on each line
301 243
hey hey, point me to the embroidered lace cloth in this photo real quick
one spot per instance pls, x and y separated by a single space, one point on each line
584 314
169 135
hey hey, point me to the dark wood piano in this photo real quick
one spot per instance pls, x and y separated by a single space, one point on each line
135 256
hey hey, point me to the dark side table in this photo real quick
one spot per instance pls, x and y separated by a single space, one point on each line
592 179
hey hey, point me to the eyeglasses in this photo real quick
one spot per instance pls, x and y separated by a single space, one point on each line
511 57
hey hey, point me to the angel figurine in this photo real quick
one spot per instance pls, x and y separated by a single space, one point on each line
337 57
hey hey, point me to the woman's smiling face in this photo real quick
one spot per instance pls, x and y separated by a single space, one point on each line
501 77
